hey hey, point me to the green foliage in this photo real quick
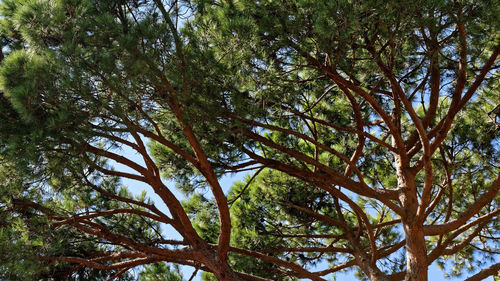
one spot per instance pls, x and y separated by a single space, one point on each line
203 214
160 272
25 235
207 88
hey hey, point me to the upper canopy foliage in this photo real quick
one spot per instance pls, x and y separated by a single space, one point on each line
362 126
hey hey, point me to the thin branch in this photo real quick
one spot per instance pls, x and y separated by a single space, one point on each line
485 273
246 186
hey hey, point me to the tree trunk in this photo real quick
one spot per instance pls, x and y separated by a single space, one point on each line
416 253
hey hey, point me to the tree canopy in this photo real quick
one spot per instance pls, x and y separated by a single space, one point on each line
366 132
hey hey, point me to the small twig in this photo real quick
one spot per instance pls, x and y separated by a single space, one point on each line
194 274
246 186
118 274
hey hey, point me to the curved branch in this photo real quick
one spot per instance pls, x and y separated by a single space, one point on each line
246 186
349 163
336 268
361 139
384 196
92 264
482 201
301 272
483 274
79 218
126 200
328 249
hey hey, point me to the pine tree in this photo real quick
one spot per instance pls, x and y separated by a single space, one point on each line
364 128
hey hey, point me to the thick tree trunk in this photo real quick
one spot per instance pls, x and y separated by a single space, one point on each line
416 253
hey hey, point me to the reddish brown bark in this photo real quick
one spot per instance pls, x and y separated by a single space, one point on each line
402 200
416 254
